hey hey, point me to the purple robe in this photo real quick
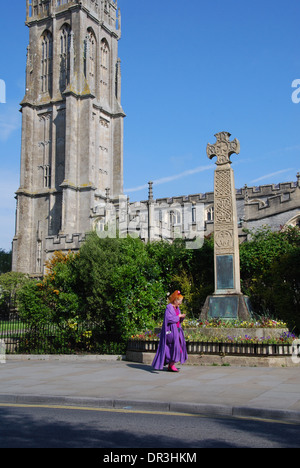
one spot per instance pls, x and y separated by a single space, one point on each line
172 346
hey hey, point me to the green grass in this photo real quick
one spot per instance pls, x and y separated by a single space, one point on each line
10 327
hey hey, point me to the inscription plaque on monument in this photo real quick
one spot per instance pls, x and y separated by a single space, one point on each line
225 278
225 307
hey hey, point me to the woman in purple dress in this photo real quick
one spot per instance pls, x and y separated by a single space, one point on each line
172 346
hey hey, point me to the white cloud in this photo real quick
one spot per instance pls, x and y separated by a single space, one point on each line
165 180
273 174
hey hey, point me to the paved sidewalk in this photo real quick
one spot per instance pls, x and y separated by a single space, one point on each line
269 393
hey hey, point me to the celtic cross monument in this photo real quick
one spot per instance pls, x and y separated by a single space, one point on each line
227 301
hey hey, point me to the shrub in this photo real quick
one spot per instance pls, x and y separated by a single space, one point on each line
270 275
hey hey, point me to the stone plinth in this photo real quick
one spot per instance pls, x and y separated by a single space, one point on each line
235 306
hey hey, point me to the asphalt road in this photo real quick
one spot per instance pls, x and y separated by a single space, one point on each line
58 427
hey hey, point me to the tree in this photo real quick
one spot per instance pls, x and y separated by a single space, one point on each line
5 261
285 279
120 284
54 299
269 273
95 270
10 284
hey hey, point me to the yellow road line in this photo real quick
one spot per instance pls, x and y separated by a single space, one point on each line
87 408
131 411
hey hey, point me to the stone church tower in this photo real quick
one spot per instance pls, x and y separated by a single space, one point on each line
72 126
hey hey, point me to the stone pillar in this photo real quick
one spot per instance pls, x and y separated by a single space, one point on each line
150 213
226 241
227 301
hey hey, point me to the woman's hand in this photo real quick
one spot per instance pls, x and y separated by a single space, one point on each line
182 316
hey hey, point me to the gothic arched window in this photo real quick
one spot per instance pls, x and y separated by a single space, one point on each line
47 54
104 69
175 217
90 59
210 213
65 44
47 176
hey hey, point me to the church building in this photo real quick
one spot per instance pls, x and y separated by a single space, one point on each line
72 147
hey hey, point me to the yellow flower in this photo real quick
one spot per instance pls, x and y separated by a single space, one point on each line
87 334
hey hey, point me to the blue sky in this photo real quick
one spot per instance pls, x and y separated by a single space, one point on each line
190 69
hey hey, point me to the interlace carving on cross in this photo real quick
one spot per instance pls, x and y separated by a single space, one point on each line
223 148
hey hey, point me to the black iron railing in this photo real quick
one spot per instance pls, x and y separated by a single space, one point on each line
197 347
22 337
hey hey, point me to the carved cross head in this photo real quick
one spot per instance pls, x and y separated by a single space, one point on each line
223 148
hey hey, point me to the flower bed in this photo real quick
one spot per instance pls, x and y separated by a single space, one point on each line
220 330
228 344
218 323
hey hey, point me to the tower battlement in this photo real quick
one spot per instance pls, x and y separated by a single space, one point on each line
102 10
